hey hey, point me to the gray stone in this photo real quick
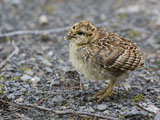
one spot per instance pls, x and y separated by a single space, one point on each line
89 109
26 77
49 70
86 86
1 118
29 72
35 80
106 112
43 19
101 107
16 2
157 117
23 90
46 62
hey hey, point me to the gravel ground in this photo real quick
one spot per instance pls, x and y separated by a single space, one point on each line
41 73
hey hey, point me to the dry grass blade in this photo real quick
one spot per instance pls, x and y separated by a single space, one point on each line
15 52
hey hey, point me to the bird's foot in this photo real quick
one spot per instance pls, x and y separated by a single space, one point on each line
107 93
103 93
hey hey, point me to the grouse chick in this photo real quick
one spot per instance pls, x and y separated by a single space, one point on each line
102 55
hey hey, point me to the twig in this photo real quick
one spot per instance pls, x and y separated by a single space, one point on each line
58 112
34 32
53 79
140 106
15 52
39 32
51 31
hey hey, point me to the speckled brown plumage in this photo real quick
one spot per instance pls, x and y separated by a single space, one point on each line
102 55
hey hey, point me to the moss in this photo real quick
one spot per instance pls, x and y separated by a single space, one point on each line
24 68
121 117
27 81
1 92
47 93
83 118
138 98
8 40
1 86
16 78
124 109
1 77
134 34
122 16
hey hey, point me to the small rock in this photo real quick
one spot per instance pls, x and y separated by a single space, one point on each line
86 86
23 90
16 2
46 62
43 19
157 117
11 96
26 77
126 86
106 112
45 37
35 80
10 68
103 17
133 112
89 109
50 53
101 107
49 70
1 118
56 83
29 73
19 100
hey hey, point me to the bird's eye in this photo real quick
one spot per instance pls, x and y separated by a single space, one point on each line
80 33
90 34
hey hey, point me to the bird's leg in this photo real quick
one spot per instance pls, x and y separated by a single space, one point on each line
108 91
101 92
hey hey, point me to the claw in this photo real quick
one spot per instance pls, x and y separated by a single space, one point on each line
101 92
101 97
108 91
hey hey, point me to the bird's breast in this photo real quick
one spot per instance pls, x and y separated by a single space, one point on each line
81 60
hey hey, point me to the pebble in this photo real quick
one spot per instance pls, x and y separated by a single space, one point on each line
46 62
35 80
16 2
49 70
157 117
102 107
86 86
26 77
29 73
19 100
106 112
1 118
133 112
43 19
23 90
56 83
103 17
50 53
89 109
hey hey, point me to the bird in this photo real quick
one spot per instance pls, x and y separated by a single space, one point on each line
102 55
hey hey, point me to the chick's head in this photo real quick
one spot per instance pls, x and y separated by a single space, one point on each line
82 33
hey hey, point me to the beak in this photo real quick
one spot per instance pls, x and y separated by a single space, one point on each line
68 37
